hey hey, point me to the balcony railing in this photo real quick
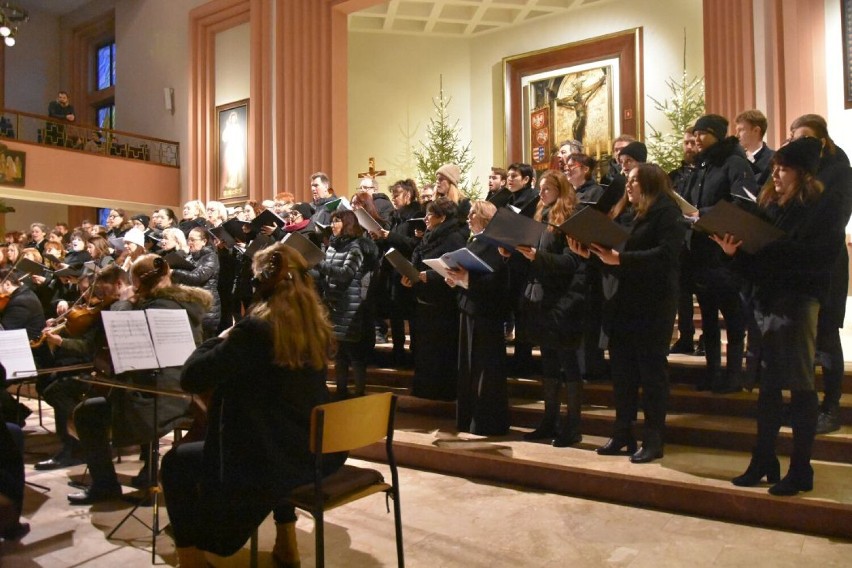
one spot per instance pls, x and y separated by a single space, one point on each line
39 129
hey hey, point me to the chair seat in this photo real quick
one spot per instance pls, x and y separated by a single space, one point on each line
346 484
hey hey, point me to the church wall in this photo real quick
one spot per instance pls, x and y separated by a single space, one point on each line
392 78
839 118
32 70
233 57
392 81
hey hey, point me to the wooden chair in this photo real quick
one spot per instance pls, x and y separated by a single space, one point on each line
339 427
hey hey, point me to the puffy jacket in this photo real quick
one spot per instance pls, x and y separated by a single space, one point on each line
205 275
344 279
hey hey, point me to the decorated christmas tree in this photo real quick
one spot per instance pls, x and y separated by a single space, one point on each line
444 146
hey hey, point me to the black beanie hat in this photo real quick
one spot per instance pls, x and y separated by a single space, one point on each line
304 210
802 153
636 150
714 124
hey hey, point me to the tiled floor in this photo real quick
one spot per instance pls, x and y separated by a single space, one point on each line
448 521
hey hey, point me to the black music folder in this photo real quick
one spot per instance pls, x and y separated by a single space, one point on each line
588 225
266 219
510 230
725 217
403 265
303 245
178 260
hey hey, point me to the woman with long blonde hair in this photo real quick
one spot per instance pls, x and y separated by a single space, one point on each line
265 380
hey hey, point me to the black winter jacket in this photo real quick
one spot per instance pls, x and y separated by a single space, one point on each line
344 278
205 275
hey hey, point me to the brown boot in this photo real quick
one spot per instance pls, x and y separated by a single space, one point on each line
285 552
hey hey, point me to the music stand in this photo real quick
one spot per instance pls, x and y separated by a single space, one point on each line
152 491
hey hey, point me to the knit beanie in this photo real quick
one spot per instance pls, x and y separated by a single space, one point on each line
636 150
714 124
802 153
450 171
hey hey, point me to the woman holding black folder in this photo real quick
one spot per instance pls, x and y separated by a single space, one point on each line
790 276
640 301
483 398
552 311
437 316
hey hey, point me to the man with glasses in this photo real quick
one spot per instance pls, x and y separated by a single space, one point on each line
383 205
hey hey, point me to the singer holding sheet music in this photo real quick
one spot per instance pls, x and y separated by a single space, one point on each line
125 414
790 277
552 311
265 381
483 397
640 301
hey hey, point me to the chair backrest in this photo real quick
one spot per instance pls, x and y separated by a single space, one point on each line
353 423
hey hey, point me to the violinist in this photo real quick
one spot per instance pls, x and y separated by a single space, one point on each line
126 417
76 338
20 309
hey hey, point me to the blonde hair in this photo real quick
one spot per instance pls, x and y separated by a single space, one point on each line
566 200
197 206
178 235
289 301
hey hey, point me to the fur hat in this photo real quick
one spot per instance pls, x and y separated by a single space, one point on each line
636 150
714 124
801 153
450 171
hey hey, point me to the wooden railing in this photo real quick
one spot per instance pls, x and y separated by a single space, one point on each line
40 129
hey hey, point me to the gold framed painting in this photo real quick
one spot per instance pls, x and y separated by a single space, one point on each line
232 150
590 91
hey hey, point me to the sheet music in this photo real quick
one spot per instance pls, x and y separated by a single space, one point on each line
368 223
172 336
439 266
16 355
130 345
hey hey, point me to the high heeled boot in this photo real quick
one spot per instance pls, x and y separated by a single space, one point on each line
285 552
569 433
547 428
804 407
764 462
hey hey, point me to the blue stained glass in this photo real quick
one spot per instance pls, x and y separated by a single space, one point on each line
104 65
112 57
106 117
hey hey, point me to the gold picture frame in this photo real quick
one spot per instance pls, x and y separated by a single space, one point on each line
602 75
232 181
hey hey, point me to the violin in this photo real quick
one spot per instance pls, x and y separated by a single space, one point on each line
76 321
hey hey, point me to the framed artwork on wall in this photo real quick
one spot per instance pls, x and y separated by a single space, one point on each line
589 91
232 150
13 167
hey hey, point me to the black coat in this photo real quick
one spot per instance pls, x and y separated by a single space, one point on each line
24 311
256 449
641 292
344 278
487 295
553 308
383 205
444 238
205 275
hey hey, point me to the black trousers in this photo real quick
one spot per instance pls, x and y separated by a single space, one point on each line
483 396
206 514
636 365
713 298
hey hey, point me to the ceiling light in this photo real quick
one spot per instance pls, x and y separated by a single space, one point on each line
5 30
10 41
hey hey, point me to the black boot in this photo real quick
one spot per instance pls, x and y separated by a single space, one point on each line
569 433
622 443
652 447
547 427
804 406
764 462
828 419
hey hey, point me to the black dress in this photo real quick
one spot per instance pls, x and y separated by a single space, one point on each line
483 397
436 319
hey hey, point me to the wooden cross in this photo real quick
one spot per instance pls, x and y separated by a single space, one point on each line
371 171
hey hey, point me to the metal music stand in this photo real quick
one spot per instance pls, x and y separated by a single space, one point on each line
152 492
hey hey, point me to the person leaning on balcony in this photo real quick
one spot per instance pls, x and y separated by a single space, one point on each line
60 109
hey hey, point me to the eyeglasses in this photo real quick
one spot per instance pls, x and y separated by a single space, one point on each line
113 215
365 188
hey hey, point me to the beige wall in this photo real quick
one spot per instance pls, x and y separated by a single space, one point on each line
233 59
393 77
28 212
839 119
32 69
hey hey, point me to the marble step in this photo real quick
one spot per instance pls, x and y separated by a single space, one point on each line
688 480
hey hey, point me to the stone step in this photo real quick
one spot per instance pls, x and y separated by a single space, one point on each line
688 480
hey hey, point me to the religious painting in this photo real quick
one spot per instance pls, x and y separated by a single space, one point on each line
12 167
590 91
569 104
232 150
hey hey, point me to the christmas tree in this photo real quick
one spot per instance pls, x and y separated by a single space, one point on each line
444 146
684 108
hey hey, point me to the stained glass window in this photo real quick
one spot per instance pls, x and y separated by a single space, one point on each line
106 66
106 116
